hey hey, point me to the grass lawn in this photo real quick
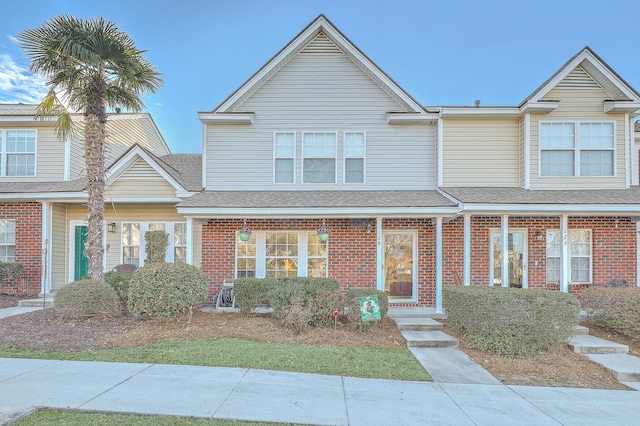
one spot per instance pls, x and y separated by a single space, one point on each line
73 418
386 363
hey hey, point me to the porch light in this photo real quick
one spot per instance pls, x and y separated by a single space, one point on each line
111 227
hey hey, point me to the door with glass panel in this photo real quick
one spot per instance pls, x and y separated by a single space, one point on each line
400 265
517 258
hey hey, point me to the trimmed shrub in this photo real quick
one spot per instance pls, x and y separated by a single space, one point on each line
298 315
383 300
307 288
252 292
166 290
10 270
87 298
512 322
156 246
615 308
120 283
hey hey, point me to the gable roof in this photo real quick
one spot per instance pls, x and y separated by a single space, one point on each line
584 65
319 34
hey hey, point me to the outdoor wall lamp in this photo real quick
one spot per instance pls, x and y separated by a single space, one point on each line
111 227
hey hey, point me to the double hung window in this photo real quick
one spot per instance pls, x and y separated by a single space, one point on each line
7 240
18 151
284 157
577 149
354 157
280 254
319 157
579 255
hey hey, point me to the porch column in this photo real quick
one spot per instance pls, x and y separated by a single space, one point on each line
439 264
190 241
379 255
564 253
467 249
45 279
505 250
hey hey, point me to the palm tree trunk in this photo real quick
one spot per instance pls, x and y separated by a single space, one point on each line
95 132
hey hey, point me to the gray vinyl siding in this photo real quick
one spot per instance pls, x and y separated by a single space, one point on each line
481 152
320 92
521 149
578 104
59 247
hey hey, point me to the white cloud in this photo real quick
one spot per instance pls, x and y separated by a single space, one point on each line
18 84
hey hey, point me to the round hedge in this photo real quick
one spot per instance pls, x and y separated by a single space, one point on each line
166 290
87 298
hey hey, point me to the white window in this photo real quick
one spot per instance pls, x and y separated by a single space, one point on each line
579 255
133 241
18 150
319 157
281 254
284 150
577 149
7 240
354 148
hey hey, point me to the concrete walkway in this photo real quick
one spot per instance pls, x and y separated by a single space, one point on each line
463 393
273 396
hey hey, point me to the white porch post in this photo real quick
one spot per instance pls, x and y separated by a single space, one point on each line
190 241
505 250
439 264
379 255
467 249
564 253
45 280
638 254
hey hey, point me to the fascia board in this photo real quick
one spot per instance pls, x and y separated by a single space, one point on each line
204 212
226 118
411 118
452 112
631 107
44 196
537 209
139 200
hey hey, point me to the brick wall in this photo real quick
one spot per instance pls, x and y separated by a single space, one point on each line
28 217
352 250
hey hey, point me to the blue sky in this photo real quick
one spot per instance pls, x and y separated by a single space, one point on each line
440 52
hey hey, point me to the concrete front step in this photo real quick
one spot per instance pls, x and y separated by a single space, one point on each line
417 324
414 312
586 345
580 330
39 302
429 339
624 367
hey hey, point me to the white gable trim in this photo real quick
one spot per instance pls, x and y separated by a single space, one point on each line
320 25
121 166
584 55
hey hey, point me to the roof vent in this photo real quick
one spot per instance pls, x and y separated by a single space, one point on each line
477 102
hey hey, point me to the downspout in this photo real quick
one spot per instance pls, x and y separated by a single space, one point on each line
564 253
439 265
627 151
45 280
505 250
527 151
190 241
467 249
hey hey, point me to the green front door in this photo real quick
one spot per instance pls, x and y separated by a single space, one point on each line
81 261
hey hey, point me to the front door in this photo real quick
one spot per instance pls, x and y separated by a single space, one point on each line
517 253
81 261
399 266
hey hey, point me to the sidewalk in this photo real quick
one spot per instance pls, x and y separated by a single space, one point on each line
273 396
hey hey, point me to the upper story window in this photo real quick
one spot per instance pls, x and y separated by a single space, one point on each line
18 152
284 157
319 157
354 147
577 149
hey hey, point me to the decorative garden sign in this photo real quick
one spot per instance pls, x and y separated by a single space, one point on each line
369 308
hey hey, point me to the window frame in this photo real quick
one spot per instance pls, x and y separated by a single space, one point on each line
577 149
259 255
304 157
589 257
169 228
6 243
5 154
345 157
276 158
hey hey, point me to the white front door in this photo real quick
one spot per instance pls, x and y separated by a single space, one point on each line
400 265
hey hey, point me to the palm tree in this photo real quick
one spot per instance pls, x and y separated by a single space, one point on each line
96 67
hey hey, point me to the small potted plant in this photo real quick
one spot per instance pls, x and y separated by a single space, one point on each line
323 232
245 232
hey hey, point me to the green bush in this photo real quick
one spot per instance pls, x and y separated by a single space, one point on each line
120 283
383 300
10 270
511 322
307 288
252 292
87 298
615 308
166 290
156 246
